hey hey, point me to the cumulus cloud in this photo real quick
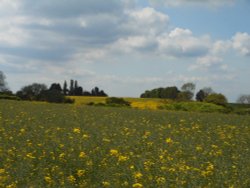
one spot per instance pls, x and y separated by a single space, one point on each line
181 42
241 43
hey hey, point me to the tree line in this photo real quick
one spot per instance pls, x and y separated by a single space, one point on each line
186 93
55 93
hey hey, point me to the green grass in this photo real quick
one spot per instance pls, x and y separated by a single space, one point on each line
59 145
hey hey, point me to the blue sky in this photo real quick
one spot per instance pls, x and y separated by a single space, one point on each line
126 47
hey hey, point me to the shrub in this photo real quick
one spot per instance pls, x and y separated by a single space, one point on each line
9 97
216 98
114 101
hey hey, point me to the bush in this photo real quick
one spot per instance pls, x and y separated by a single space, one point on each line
54 96
114 101
9 97
216 98
195 107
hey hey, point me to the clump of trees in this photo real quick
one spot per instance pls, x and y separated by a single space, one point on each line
40 92
186 93
55 93
75 90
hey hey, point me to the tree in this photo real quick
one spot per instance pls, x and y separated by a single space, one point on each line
65 89
3 86
165 93
188 90
95 91
216 98
200 96
31 92
53 95
244 99
185 96
56 86
71 89
78 91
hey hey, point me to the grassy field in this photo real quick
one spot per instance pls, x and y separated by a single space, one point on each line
58 145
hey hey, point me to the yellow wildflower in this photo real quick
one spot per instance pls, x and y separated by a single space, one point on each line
113 152
122 158
80 173
137 175
169 141
48 179
82 155
137 185
76 130
71 179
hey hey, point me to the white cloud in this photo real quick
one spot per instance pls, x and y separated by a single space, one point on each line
145 21
181 42
241 43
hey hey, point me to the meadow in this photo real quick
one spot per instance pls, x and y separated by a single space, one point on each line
68 145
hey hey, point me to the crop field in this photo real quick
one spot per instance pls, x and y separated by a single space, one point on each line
139 103
65 145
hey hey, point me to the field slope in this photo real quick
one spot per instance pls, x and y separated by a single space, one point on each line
50 145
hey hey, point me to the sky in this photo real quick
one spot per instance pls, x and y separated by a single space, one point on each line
127 46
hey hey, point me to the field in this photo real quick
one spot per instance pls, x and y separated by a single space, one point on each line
59 145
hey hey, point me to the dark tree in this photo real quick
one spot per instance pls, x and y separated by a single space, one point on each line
95 91
103 94
65 89
56 86
78 91
75 85
71 89
53 95
86 93
200 96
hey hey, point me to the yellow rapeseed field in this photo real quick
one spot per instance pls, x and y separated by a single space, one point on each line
64 145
